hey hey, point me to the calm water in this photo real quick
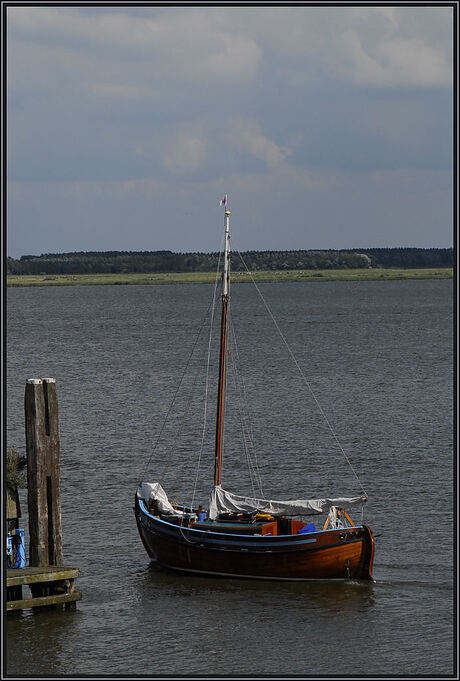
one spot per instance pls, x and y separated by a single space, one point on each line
378 357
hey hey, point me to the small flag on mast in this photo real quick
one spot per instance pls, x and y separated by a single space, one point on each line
224 201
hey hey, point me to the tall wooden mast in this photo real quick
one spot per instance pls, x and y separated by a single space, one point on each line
223 356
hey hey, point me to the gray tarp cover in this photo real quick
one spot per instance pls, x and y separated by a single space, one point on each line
153 490
222 501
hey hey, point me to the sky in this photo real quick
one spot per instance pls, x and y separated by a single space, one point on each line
328 127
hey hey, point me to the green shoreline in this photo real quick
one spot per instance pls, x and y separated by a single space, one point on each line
372 274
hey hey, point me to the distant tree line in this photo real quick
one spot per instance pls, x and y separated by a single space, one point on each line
99 262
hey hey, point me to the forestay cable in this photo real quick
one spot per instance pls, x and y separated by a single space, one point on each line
154 447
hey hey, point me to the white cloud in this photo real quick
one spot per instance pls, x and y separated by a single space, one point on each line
376 46
393 62
186 154
128 107
412 60
247 137
176 44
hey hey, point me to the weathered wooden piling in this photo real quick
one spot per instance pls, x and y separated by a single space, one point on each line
50 586
13 509
50 583
43 472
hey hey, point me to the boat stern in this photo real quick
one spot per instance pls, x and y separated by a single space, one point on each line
366 562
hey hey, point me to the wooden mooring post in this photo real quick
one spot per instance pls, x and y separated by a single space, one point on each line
43 472
50 582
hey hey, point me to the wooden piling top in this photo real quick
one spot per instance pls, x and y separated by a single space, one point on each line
34 575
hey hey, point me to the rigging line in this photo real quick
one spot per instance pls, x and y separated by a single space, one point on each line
303 375
245 422
255 465
153 449
205 413
250 449
184 418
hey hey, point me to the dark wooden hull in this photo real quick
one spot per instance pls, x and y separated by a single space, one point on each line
330 554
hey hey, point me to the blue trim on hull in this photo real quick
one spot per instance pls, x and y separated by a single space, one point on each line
208 538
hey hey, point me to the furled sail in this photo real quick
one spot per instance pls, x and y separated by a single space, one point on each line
222 501
153 491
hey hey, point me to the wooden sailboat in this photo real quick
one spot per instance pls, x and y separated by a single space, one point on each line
251 537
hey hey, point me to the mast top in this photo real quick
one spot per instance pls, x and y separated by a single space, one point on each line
227 212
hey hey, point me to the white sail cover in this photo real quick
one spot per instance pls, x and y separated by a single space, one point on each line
153 490
221 501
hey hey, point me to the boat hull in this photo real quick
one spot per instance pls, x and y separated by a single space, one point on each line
330 554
